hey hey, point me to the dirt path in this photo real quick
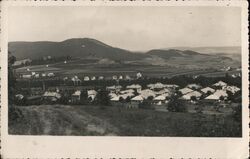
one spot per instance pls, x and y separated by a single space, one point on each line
60 120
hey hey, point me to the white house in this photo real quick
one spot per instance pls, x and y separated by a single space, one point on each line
188 96
114 88
217 94
163 91
53 96
51 74
44 75
194 86
157 85
127 91
76 96
232 89
207 89
26 76
120 77
147 93
185 90
115 99
159 100
86 78
114 77
136 87
139 75
221 84
93 78
137 99
172 86
100 77
91 94
127 77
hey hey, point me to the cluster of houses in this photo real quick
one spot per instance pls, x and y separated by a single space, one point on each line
160 94
37 75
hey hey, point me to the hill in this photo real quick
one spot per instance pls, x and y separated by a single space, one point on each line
79 47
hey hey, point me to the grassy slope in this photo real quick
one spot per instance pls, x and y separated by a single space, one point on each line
90 120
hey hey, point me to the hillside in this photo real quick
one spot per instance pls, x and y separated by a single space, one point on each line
84 47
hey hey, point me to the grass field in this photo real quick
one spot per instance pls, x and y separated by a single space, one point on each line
114 121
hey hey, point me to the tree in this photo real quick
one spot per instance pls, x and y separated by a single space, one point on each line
84 97
146 104
176 105
193 98
102 97
222 98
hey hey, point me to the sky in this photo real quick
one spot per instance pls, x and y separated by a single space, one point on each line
133 28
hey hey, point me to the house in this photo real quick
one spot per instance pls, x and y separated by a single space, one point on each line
51 96
139 75
112 95
135 87
220 84
114 88
127 77
115 99
120 77
44 75
33 73
147 93
193 86
114 77
100 78
37 75
137 99
19 96
76 96
126 95
93 78
217 95
22 62
172 86
232 89
76 80
26 76
156 86
91 94
163 91
51 74
65 78
207 89
185 90
159 100
188 96
127 91
86 78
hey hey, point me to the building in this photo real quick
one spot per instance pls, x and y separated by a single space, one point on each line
135 87
76 96
156 86
232 89
51 96
127 91
193 86
159 100
86 78
139 75
93 78
100 78
185 90
114 88
120 77
189 95
51 74
91 94
114 77
217 95
220 84
127 77
26 76
22 62
207 89
147 93
76 80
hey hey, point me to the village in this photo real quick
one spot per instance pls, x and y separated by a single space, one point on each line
125 91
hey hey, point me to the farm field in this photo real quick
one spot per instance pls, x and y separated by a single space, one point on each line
114 121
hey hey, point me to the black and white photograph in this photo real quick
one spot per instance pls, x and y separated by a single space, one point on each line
125 71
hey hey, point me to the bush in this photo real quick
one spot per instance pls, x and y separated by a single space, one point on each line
176 105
